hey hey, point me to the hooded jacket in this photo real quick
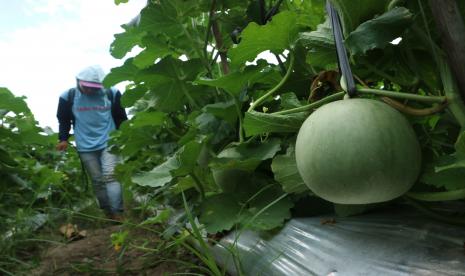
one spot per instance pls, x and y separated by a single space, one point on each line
92 116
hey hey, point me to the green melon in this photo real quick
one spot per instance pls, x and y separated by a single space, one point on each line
229 179
357 151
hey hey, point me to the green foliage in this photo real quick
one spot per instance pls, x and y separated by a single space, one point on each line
378 32
242 206
261 123
34 177
355 12
194 131
124 42
236 82
320 46
117 2
277 36
196 140
285 172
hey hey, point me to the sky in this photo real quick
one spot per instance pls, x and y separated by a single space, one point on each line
45 43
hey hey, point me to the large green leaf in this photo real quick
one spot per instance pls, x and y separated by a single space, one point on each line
168 16
126 72
289 100
312 12
320 45
183 184
260 123
322 36
263 214
161 18
259 151
6 159
30 132
131 95
133 139
285 172
276 36
392 65
160 175
451 179
210 126
448 173
188 157
355 12
9 102
180 164
155 48
154 118
235 82
223 110
378 32
245 156
170 83
124 42
219 213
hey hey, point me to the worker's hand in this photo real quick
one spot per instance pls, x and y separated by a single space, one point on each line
62 145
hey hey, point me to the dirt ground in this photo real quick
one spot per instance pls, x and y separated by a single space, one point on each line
95 254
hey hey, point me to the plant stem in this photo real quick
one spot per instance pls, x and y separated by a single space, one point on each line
281 65
379 72
199 185
309 107
6 272
414 111
393 4
197 50
207 257
440 217
209 24
220 47
339 95
274 89
438 196
419 98
189 97
451 28
42 240
456 106
250 221
237 105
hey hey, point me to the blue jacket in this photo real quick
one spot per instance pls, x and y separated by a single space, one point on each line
93 118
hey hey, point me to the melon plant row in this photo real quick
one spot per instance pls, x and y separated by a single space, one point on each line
36 182
238 106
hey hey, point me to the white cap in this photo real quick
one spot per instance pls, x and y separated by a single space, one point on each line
92 74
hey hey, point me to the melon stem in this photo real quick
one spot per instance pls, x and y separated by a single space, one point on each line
274 89
438 196
340 95
310 107
435 215
400 95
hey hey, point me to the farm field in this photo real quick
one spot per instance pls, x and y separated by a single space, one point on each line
247 117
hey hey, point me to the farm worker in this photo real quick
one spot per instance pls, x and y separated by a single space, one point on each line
94 112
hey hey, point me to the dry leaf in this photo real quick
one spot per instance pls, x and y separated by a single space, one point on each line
71 232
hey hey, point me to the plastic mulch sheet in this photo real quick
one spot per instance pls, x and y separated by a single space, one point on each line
392 243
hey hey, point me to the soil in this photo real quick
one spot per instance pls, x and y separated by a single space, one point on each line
95 254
